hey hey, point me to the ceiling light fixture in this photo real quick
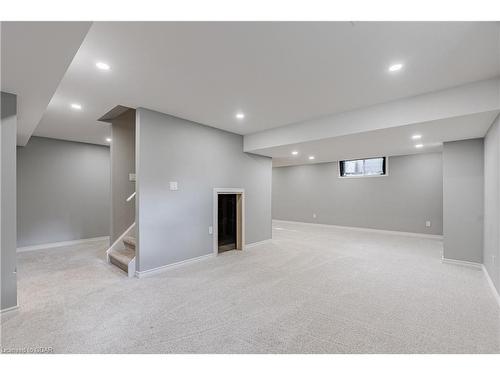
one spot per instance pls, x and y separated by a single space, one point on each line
102 65
76 106
395 67
240 116
420 145
311 157
295 152
108 140
416 136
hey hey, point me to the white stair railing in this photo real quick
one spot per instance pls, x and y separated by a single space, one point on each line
118 244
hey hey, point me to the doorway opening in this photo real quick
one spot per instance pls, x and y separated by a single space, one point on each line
228 220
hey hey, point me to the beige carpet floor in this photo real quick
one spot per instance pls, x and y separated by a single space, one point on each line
311 290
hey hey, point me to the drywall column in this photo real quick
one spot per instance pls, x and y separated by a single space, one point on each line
173 225
491 250
463 191
8 200
122 165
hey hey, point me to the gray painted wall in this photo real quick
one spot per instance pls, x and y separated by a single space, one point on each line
402 201
463 191
491 249
8 132
122 164
173 225
63 191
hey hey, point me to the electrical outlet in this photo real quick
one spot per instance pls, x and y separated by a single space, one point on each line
314 216
210 230
428 223
173 185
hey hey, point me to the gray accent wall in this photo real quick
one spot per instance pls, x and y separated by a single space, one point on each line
404 200
463 191
173 225
63 191
8 131
122 164
491 249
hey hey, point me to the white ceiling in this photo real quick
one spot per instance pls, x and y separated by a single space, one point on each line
384 142
276 73
34 58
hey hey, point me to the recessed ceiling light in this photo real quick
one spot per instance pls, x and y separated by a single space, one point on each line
416 136
102 65
420 145
311 157
76 106
240 115
395 67
108 140
295 152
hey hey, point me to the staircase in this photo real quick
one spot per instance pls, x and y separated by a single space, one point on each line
122 252
121 257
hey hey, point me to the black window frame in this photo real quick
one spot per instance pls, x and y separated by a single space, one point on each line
384 168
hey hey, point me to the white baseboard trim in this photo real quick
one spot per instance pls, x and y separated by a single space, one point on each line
9 309
60 244
362 229
462 263
490 283
153 271
258 243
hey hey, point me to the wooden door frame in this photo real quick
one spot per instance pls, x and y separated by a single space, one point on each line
240 217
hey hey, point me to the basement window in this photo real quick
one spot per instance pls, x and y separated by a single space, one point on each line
363 167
